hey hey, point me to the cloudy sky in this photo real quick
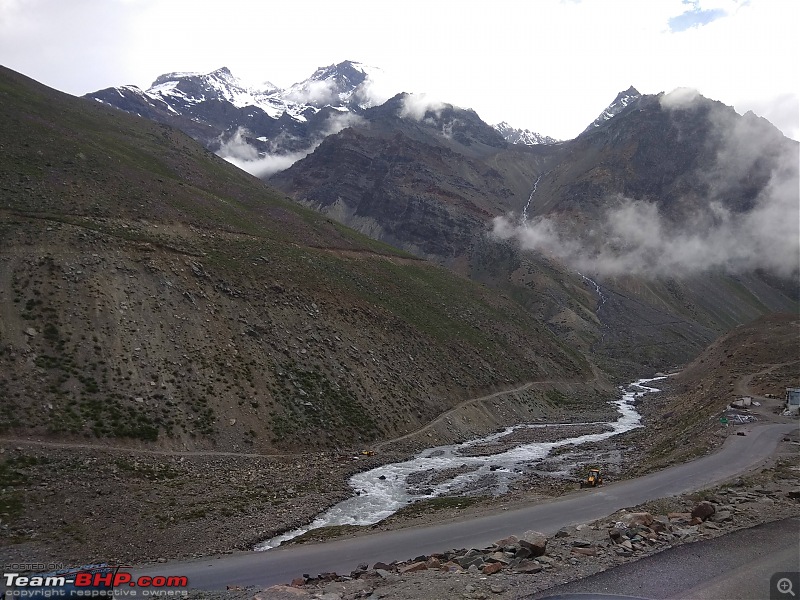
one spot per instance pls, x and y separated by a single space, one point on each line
547 65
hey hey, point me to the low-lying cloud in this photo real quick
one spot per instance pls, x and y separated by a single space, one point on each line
634 237
376 89
317 93
416 106
682 97
236 150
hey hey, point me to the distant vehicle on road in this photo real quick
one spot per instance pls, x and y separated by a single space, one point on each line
593 479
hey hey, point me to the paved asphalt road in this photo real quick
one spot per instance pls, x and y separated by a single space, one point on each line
281 565
736 566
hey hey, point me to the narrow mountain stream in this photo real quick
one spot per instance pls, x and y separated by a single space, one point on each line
530 199
601 297
467 468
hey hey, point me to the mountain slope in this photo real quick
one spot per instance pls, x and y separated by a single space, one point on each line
680 155
153 292
407 179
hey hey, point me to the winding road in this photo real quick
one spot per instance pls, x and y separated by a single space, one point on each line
280 565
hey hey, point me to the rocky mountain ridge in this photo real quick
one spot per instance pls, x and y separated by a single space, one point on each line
214 107
550 223
619 104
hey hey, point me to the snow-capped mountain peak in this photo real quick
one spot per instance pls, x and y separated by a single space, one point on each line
347 72
526 137
266 87
335 85
192 88
620 103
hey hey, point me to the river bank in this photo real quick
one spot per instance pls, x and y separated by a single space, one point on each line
189 505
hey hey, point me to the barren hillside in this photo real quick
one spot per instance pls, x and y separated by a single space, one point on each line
153 292
758 359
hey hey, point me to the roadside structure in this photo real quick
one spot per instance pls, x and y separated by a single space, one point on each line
793 401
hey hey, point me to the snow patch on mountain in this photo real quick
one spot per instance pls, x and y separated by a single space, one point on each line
526 137
620 103
181 90
346 86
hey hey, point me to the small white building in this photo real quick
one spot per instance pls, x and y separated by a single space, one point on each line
745 402
793 400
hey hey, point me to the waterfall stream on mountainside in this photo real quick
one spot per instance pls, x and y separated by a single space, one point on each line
530 198
601 297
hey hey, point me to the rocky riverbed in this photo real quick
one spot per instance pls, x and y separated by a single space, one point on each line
203 503
501 460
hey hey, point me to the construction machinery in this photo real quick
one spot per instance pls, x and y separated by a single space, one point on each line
593 478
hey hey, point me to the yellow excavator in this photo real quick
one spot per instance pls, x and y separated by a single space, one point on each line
593 479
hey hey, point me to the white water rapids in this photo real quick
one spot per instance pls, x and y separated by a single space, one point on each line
382 491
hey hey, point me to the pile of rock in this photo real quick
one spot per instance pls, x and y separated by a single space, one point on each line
637 532
523 554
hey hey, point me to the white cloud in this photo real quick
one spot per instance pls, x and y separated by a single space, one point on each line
679 98
318 93
267 165
636 239
236 149
338 122
377 88
416 106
